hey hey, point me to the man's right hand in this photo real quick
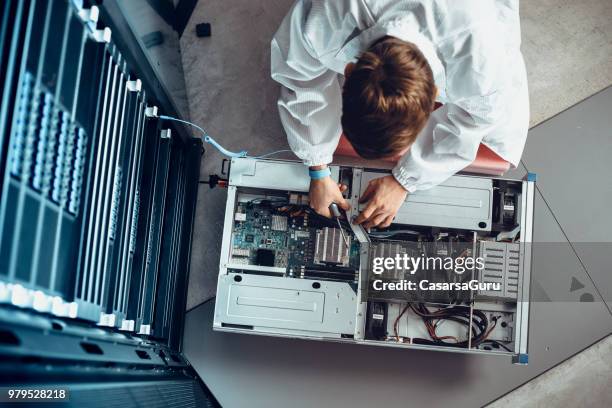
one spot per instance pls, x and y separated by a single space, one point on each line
325 191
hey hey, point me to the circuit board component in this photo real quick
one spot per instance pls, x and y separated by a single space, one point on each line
330 247
280 236
279 223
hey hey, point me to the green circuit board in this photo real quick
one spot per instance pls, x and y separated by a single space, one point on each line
267 236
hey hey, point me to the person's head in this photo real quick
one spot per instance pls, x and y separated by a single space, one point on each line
387 98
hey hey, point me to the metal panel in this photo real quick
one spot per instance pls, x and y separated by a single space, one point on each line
111 197
266 302
522 306
501 266
273 306
273 174
119 207
170 245
140 239
460 202
91 363
189 191
130 217
97 107
100 188
158 205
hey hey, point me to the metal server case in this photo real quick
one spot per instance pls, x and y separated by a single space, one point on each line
96 211
284 270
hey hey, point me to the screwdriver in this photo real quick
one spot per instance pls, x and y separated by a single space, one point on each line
335 210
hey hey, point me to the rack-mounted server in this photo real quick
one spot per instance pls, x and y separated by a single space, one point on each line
96 209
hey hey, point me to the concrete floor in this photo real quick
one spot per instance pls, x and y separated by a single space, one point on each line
232 96
584 380
567 47
568 51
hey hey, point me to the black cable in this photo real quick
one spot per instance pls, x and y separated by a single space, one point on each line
500 344
478 325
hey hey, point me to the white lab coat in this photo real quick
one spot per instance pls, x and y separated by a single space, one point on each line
473 48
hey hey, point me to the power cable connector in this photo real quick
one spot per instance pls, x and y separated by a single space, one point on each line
214 180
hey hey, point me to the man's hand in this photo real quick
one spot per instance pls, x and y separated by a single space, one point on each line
384 196
325 191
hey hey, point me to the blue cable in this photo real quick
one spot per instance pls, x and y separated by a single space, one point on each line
208 139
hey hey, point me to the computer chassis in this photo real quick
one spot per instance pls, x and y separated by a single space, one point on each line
286 271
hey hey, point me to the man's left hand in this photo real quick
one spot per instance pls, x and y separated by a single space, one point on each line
384 196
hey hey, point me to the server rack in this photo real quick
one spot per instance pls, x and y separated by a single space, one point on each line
96 210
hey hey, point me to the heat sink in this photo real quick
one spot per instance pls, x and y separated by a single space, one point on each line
331 248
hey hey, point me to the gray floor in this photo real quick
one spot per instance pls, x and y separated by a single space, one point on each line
568 49
231 94
584 380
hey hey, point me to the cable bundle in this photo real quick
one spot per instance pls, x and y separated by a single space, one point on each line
479 324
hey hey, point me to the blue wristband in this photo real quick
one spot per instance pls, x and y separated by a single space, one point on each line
319 174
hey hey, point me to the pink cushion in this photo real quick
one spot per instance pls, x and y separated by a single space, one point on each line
486 162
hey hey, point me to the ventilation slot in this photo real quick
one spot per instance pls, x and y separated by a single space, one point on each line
143 354
8 338
501 267
91 348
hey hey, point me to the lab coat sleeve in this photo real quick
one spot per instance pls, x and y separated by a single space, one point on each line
448 143
310 98
478 97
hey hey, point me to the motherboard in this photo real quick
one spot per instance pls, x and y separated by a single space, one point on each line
280 238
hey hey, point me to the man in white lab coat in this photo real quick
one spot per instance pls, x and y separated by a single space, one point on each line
373 69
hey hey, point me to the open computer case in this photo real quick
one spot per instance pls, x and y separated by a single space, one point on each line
286 271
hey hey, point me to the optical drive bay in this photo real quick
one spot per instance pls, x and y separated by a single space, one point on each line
286 271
